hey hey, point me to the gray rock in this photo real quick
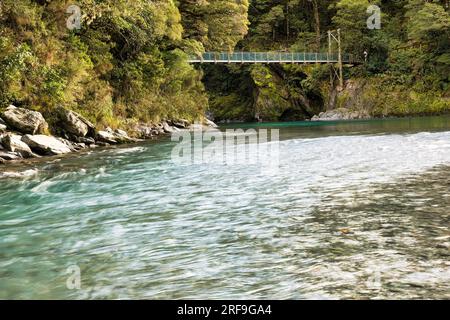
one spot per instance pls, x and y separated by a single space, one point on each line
121 133
14 143
86 141
80 146
196 127
45 145
339 114
2 161
210 123
68 144
74 123
105 136
181 123
160 128
9 156
122 137
25 120
167 128
102 144
144 131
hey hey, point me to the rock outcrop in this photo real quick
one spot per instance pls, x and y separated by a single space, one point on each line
46 145
74 134
74 124
24 120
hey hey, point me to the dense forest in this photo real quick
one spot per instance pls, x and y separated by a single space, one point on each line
128 60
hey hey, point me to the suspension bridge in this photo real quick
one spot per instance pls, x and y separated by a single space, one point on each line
272 57
336 60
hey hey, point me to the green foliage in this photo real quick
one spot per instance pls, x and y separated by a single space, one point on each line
410 53
127 61
429 25
217 24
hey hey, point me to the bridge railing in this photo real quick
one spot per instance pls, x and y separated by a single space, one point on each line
271 57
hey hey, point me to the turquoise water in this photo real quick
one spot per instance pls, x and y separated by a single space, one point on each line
355 210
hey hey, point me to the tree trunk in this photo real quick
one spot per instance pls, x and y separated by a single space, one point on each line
287 21
316 23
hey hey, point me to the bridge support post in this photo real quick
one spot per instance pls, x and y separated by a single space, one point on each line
337 38
329 58
341 77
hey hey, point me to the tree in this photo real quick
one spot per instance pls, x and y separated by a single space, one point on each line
429 25
217 24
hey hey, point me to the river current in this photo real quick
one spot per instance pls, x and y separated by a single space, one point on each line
355 210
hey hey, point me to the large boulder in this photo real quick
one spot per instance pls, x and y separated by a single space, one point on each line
74 123
14 143
24 120
106 136
45 145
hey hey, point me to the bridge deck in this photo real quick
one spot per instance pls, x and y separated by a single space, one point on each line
271 57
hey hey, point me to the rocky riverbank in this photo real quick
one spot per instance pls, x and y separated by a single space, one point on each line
340 114
26 134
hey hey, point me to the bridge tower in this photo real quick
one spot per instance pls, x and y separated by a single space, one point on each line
335 35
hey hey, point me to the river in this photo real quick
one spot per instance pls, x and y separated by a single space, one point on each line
356 210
